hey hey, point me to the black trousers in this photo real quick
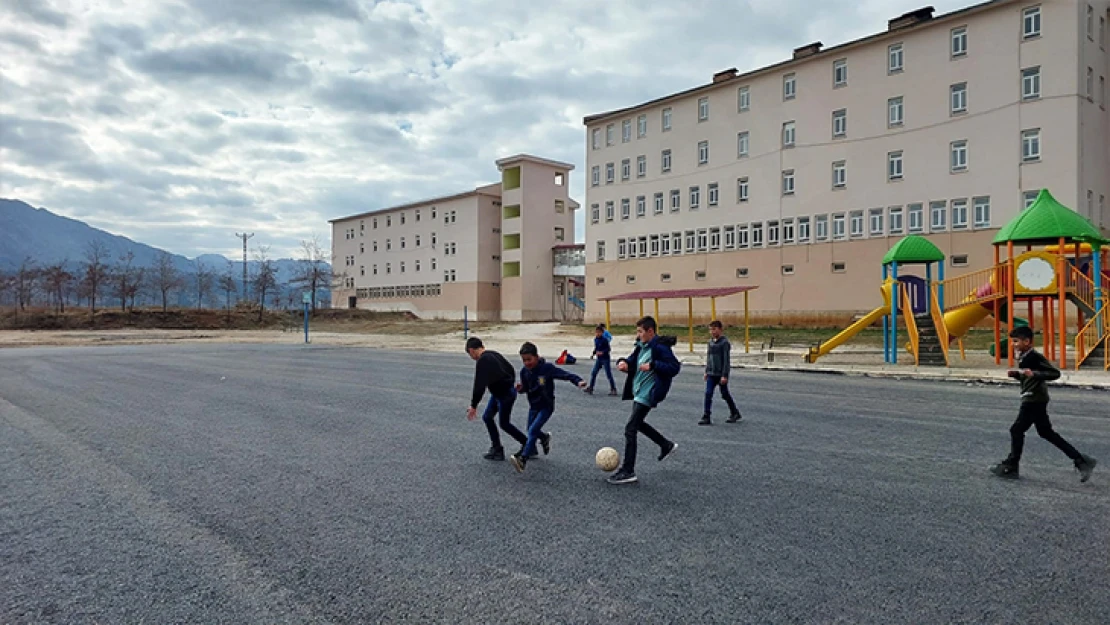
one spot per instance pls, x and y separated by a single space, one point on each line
1036 414
502 408
637 425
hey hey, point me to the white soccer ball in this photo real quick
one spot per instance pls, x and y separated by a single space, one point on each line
607 459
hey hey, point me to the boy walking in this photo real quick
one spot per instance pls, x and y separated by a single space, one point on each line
496 374
602 353
650 368
1034 371
718 362
537 379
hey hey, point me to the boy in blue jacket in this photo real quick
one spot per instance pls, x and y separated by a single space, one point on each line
537 379
650 368
602 352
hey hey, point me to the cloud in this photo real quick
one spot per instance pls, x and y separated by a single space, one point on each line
40 11
245 62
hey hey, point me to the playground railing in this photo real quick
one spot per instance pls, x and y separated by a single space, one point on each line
938 322
968 289
1090 336
1082 287
911 323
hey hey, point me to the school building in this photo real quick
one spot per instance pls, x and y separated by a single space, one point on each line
502 251
799 176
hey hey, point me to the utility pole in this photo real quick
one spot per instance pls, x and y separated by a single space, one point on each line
244 236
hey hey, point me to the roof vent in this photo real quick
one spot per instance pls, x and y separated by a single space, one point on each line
807 50
724 75
909 19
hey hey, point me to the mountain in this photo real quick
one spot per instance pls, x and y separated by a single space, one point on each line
48 238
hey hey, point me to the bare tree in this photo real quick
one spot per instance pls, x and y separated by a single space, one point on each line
26 277
166 277
58 280
265 277
204 279
314 271
126 280
95 272
227 285
6 285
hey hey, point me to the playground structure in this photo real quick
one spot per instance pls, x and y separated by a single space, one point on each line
1065 261
689 295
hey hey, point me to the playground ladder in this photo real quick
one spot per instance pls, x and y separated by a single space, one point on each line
1090 339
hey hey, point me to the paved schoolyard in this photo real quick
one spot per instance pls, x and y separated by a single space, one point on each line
289 484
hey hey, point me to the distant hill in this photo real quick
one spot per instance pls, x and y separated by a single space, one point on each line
48 238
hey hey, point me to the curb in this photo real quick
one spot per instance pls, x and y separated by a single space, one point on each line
996 379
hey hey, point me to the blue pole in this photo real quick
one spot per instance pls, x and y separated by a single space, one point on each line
928 287
940 291
1096 264
886 327
894 314
306 322
466 324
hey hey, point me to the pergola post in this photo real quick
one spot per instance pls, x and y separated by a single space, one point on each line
690 320
657 320
747 327
608 324
642 310
1061 278
713 308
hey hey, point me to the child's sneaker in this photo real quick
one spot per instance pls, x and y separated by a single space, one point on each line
1005 469
622 477
705 420
545 442
668 451
734 417
518 461
495 453
589 390
1085 465
612 392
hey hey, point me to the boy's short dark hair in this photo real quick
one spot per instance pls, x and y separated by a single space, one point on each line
647 323
1022 332
474 343
529 348
600 327
715 324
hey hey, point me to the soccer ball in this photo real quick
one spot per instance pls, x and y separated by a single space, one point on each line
607 459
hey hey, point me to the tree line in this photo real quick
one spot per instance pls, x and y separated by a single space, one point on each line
100 281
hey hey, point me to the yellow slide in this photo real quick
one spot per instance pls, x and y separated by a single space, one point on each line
961 320
854 329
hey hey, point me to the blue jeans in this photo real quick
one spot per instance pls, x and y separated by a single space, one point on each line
502 406
598 365
537 417
713 382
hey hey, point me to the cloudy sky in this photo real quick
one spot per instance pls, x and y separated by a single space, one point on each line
181 122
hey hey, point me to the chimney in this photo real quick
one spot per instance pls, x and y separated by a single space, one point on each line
909 19
807 50
724 75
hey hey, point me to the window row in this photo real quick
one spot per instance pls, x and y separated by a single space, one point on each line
388 267
389 292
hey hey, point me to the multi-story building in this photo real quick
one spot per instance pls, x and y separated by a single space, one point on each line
490 251
799 176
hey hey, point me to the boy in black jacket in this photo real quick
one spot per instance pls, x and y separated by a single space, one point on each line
537 379
496 374
650 368
602 352
1034 371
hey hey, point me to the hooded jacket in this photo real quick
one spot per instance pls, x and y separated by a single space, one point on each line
539 383
663 364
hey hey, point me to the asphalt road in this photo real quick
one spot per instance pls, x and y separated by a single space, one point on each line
330 485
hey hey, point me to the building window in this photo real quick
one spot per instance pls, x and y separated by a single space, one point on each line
840 73
703 109
595 213
418 240
959 42
959 155
787 231
714 194
658 203
622 249
655 245
1090 204
730 237
695 198
666 119
676 243
896 111
1102 32
1090 84
788 270
939 213
895 220
388 269
959 214
1028 198
641 206
388 245
402 219
626 131
609 212
742 144
1102 91
703 152
839 267
610 135
642 247
433 264
1031 83
596 143
1031 22
641 126
388 221
894 169
803 230
742 189
665 244
714 239
362 270
916 214
641 166
676 200
626 169
691 241
757 234
789 87
895 58
610 174
1031 145
743 99
699 275
838 232
625 209
839 174
361 248
855 224
630 279
772 233
742 272
600 251
982 212
876 219
788 182
958 98
402 242
599 281
821 227
402 266
374 269
788 135
666 160
840 123
743 237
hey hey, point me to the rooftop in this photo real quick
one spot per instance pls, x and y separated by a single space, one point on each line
489 189
723 291
1048 221
517 158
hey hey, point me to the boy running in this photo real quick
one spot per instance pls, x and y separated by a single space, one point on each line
496 374
537 379
718 357
650 368
602 352
1034 370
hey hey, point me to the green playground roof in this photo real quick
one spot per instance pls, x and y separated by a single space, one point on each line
913 249
1046 221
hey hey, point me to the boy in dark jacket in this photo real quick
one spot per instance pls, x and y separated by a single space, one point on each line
650 368
537 379
1034 371
602 353
496 374
718 357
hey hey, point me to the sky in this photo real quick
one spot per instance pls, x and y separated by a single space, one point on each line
179 123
